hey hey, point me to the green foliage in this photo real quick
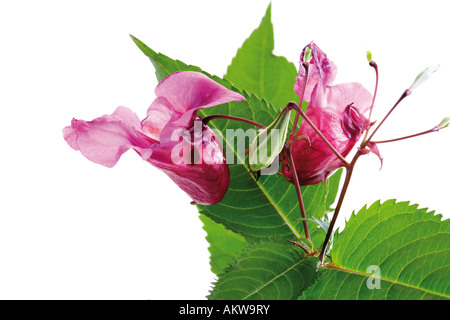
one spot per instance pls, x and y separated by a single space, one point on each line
410 246
224 244
256 69
254 275
247 231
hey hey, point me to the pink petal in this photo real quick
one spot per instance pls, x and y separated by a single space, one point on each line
314 161
337 111
337 98
321 70
334 111
354 123
105 139
374 149
158 115
205 184
205 181
179 96
187 90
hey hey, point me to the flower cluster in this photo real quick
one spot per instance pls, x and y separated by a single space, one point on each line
175 139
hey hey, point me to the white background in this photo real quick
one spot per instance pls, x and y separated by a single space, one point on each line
71 229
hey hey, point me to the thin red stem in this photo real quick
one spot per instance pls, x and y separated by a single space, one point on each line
299 191
324 139
223 116
348 176
375 66
435 129
295 243
294 127
406 93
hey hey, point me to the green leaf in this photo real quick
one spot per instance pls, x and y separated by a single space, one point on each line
410 246
266 207
266 270
164 65
254 208
256 69
224 244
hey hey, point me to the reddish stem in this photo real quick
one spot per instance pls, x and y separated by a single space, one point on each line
435 129
375 66
406 93
294 127
298 190
348 176
324 139
223 116
295 243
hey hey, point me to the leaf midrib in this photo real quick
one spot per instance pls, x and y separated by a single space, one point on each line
334 267
274 278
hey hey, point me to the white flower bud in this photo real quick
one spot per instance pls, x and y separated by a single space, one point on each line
423 76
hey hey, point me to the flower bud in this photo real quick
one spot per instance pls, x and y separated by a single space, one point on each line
269 142
444 123
423 76
369 56
307 55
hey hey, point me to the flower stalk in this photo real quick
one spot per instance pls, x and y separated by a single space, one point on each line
348 176
295 126
368 143
298 190
435 129
223 116
405 94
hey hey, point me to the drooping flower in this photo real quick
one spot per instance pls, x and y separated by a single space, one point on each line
171 137
336 110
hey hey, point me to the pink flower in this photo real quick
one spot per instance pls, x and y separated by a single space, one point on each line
337 111
165 135
320 70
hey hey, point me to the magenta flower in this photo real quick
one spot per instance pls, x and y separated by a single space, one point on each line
337 111
169 137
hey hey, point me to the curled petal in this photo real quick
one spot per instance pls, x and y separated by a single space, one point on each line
354 123
321 70
159 114
374 149
105 139
180 95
